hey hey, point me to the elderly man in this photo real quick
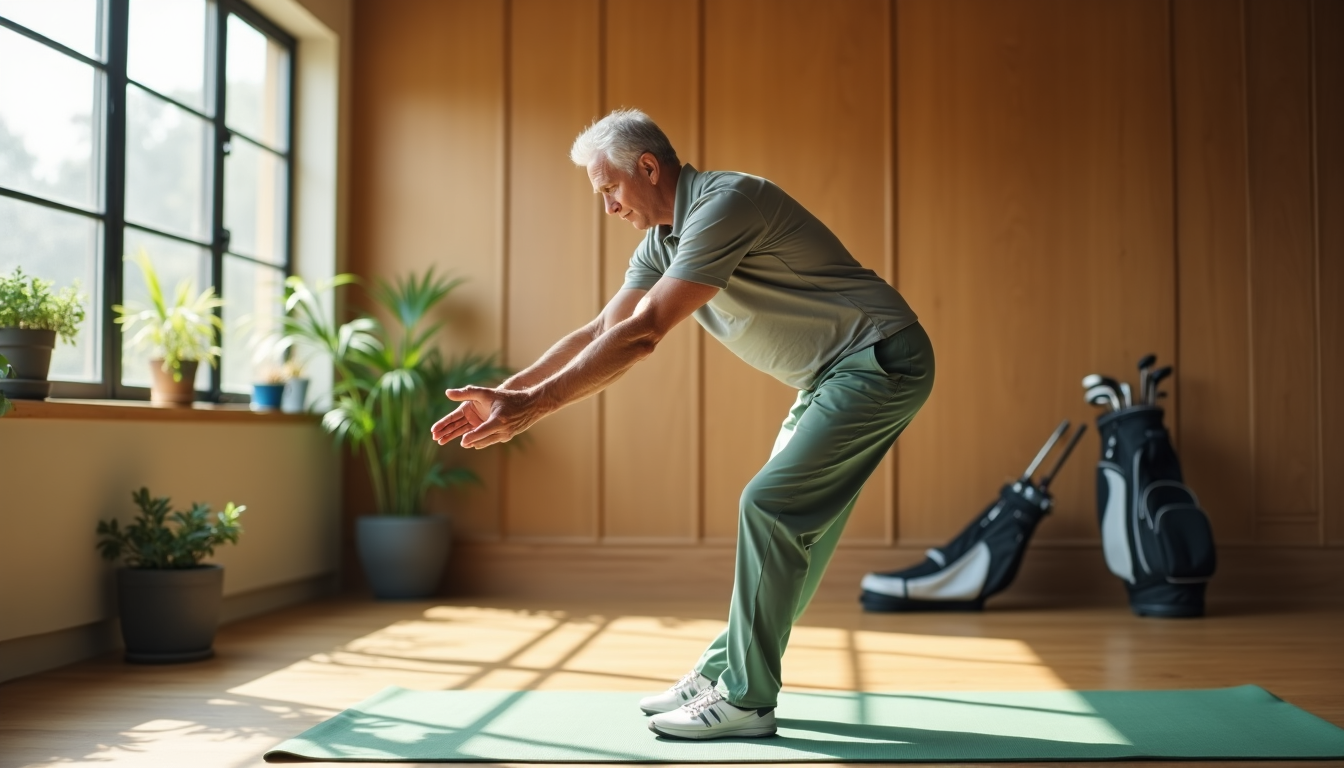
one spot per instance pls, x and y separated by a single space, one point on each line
774 285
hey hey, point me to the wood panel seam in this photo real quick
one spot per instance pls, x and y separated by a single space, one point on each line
1319 425
506 193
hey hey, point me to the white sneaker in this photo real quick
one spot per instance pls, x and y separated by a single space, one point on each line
691 684
710 716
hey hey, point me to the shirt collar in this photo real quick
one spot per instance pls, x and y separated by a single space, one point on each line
682 205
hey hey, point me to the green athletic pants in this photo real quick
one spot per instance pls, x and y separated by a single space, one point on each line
793 511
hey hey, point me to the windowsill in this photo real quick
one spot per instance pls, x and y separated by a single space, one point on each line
143 410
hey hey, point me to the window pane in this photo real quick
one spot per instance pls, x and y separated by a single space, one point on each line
252 295
254 202
166 50
47 122
73 23
175 262
64 247
256 93
168 166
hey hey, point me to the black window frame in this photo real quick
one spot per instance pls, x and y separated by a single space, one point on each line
111 156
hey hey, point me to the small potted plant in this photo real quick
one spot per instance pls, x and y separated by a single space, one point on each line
178 336
295 397
267 392
32 317
167 599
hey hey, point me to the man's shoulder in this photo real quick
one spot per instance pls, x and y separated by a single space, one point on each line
732 181
736 192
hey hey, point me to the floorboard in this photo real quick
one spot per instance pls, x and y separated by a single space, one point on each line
274 676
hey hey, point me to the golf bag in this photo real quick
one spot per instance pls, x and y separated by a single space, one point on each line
983 559
1153 533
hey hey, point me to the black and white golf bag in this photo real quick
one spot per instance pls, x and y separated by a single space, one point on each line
1153 532
982 560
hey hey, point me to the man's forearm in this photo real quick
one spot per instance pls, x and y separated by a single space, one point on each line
599 365
556 358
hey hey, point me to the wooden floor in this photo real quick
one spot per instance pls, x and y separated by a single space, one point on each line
276 675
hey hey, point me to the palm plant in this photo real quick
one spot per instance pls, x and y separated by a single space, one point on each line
390 380
187 330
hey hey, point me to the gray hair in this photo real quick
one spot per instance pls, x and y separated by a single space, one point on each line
621 138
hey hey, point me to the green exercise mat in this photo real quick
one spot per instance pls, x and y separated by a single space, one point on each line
603 727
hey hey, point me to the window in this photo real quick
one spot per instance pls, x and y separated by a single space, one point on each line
162 125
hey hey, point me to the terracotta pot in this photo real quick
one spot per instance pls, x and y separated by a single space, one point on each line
165 391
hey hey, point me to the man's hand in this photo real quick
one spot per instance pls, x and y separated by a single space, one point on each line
488 416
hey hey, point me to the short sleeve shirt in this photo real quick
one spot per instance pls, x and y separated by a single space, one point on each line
792 300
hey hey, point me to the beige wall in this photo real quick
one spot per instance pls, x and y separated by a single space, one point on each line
62 476
1056 187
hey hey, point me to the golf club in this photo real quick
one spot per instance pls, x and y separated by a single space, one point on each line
1091 380
1068 448
1045 449
1100 391
1154 379
1128 393
1145 363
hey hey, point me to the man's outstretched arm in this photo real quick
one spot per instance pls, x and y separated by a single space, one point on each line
600 362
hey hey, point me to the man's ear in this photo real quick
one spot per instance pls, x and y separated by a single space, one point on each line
649 166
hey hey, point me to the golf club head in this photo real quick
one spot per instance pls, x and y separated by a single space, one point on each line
1091 380
1145 363
1101 392
1154 379
1128 393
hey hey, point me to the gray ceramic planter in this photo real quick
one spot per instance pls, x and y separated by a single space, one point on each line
403 557
29 354
169 615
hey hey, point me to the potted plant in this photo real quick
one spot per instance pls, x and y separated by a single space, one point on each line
178 337
167 600
32 317
295 397
5 404
267 392
389 388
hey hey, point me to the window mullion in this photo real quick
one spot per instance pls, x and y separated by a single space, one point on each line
218 41
118 23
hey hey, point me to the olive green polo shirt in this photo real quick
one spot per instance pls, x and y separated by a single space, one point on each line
792 300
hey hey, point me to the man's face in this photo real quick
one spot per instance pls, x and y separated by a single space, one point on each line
628 195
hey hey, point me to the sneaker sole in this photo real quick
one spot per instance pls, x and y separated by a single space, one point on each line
754 732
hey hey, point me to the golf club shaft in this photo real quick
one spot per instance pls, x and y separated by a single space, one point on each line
1045 449
1063 457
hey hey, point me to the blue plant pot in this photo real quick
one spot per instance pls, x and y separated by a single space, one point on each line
266 397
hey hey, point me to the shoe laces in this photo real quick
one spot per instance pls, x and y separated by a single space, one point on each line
706 699
687 681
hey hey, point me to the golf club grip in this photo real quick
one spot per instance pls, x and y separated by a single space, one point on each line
1063 457
1045 450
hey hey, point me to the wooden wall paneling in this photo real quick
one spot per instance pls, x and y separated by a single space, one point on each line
1282 271
796 92
1034 235
554 51
428 134
650 431
1328 31
1211 209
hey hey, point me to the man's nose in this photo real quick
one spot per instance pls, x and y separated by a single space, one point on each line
613 207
